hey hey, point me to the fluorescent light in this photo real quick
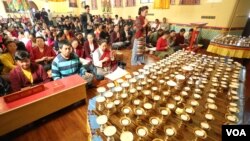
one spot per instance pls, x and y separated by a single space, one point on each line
214 1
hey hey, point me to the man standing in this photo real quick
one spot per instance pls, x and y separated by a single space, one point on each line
50 18
44 16
87 21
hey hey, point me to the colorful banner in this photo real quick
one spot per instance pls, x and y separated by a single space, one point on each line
161 4
18 5
57 0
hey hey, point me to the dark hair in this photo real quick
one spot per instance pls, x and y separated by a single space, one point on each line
102 41
7 42
59 35
160 30
142 9
21 55
166 33
182 30
172 31
74 40
86 6
21 46
78 33
62 43
191 30
40 37
103 27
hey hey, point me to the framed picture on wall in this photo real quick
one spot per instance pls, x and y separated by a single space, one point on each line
118 3
94 4
130 3
72 3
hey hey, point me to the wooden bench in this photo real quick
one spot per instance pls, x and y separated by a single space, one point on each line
54 95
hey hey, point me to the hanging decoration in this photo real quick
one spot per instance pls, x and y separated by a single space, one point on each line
56 0
161 4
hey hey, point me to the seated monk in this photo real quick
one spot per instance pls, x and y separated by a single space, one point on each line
104 59
26 73
43 54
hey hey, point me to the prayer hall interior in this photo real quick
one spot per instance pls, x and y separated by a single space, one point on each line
129 70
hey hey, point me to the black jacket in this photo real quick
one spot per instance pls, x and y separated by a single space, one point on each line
84 19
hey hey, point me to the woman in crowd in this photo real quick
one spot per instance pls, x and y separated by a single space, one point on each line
26 73
7 58
162 47
43 54
172 38
141 24
80 38
97 31
104 59
89 47
79 51
59 37
104 34
31 43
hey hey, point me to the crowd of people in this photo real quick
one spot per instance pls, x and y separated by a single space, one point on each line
55 47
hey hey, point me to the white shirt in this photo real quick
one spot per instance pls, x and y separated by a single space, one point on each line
91 46
116 21
88 21
96 57
50 16
25 40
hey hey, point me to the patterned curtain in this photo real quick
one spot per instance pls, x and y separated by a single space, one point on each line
189 2
118 3
130 3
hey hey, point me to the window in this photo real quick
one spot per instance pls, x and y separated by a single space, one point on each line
130 3
189 2
117 3
147 1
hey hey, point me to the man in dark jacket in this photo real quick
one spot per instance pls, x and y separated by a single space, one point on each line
87 21
126 35
45 16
